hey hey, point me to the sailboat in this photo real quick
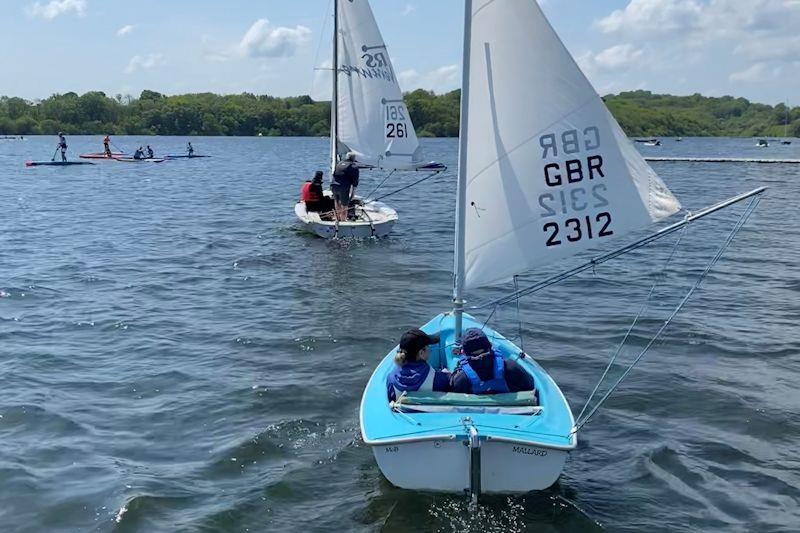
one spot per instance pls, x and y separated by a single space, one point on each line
545 172
368 118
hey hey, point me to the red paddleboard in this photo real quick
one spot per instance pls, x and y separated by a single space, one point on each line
102 155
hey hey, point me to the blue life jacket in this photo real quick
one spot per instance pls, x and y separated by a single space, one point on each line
496 385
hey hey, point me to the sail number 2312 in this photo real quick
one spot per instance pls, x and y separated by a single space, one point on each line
575 195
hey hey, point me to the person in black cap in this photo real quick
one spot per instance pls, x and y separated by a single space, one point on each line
481 370
311 193
413 373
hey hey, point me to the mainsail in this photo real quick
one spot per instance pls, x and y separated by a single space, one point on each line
373 120
549 172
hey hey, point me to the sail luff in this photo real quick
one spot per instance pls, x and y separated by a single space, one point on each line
335 91
461 195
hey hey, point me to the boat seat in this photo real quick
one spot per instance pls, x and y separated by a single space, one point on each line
513 403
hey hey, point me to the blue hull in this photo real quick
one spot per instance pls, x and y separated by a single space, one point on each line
520 453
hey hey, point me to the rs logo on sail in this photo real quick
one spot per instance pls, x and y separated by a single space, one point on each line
376 64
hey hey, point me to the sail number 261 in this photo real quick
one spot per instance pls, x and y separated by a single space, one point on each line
396 126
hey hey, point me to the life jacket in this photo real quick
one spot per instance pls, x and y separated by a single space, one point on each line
425 386
496 385
307 194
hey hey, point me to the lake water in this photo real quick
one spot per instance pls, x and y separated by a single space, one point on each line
176 356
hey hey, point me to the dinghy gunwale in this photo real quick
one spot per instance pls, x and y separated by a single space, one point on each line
556 415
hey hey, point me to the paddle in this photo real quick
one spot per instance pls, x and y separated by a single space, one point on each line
54 154
118 148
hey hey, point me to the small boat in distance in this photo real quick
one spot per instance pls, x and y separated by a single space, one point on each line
649 142
786 140
368 118
128 159
762 143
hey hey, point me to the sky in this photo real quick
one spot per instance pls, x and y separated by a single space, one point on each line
747 48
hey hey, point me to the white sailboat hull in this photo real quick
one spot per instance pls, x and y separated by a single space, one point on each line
444 466
375 219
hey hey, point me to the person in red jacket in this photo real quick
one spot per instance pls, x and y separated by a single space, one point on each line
311 193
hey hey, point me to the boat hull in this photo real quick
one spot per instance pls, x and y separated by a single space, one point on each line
459 451
376 220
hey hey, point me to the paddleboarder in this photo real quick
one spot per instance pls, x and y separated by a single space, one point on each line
139 153
106 146
190 149
150 154
62 145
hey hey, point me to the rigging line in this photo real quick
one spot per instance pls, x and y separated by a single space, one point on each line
379 185
319 47
407 186
519 316
661 275
738 226
644 241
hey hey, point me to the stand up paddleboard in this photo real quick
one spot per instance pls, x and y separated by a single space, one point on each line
102 155
184 156
56 163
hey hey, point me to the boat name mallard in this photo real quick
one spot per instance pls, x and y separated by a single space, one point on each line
524 450
573 188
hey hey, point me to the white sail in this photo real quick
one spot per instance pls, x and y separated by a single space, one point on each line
373 119
549 171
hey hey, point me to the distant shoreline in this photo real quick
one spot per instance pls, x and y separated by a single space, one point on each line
640 113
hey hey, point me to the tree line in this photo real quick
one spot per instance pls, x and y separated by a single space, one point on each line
641 114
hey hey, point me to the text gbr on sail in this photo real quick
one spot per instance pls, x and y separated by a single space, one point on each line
573 188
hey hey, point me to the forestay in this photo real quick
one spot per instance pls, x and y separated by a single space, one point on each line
549 171
373 121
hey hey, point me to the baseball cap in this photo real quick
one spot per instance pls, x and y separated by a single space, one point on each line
414 340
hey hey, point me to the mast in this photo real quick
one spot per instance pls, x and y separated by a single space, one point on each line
335 93
461 201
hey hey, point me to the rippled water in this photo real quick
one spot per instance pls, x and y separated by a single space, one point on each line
177 356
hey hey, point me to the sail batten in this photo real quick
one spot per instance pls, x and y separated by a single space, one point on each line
549 172
373 120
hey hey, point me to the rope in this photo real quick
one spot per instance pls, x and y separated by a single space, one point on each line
380 184
519 316
407 186
659 277
734 231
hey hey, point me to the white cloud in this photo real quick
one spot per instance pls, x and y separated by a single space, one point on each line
125 30
440 80
55 8
410 8
758 37
265 40
652 16
145 62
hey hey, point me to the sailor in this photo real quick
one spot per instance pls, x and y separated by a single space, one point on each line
139 153
343 184
412 371
481 370
190 149
311 193
106 146
150 154
62 145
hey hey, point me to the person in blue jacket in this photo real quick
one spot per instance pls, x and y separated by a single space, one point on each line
481 370
412 371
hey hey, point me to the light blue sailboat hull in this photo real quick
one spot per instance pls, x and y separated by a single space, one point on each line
471 452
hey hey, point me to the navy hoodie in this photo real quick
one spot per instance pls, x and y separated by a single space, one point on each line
483 365
411 376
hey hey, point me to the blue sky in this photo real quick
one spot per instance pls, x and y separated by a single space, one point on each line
746 48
